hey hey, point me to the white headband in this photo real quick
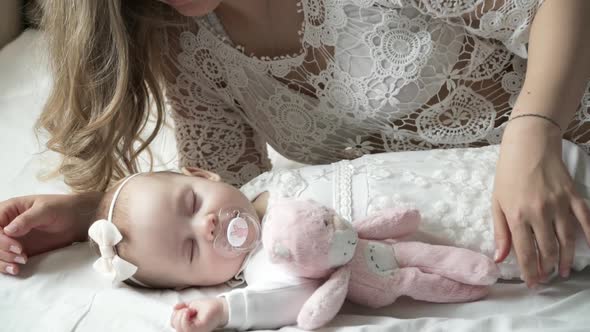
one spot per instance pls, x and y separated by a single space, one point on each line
107 235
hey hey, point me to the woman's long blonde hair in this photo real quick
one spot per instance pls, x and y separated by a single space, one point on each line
107 70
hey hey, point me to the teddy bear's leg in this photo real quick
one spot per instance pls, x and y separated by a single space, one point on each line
430 287
379 291
454 263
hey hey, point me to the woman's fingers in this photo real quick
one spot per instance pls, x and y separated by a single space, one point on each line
9 268
9 262
9 244
581 211
9 257
526 253
547 244
13 207
21 225
11 254
566 237
501 233
544 238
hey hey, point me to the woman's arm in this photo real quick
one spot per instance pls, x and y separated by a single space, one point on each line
558 68
31 225
535 203
71 214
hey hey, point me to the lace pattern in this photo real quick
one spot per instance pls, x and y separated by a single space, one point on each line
280 183
342 191
372 76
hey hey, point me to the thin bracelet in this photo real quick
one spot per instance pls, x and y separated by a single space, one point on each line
537 116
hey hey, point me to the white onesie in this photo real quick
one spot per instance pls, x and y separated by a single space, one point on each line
451 188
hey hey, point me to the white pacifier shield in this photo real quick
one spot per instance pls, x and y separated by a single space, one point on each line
237 232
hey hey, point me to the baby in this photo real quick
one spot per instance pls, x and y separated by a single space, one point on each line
165 226
161 231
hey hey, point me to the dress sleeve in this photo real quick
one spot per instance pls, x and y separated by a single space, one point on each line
508 21
251 308
211 131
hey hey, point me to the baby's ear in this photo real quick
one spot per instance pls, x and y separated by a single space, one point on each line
201 173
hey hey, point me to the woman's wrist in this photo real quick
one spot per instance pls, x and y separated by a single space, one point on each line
531 128
548 106
535 119
85 206
538 116
530 141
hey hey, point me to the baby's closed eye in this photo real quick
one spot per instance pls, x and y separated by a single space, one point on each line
190 250
191 202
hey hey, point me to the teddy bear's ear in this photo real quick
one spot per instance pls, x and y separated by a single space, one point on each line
280 253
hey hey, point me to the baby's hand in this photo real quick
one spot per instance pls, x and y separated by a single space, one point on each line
199 316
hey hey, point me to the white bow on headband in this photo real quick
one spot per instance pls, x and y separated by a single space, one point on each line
106 235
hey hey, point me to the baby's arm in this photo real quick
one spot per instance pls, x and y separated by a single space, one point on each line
244 308
267 308
201 315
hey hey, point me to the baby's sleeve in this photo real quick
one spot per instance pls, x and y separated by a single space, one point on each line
250 307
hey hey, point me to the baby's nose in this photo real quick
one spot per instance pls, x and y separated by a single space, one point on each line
206 226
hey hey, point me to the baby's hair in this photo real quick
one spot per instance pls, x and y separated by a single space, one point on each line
120 216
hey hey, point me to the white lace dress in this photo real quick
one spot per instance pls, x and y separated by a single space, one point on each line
451 188
371 76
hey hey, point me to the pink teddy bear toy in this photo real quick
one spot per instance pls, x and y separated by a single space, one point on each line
365 262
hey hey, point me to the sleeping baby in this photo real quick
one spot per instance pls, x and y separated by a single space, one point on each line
172 230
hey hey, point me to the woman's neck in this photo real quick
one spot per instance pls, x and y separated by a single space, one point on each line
243 10
262 27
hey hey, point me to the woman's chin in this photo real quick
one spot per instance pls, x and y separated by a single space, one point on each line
201 8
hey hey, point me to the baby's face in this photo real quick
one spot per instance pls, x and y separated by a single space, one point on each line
172 218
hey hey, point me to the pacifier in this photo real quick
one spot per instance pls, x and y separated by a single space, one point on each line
237 232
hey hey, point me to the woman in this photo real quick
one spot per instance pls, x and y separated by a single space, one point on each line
319 81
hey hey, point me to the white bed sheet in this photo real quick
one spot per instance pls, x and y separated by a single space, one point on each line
58 291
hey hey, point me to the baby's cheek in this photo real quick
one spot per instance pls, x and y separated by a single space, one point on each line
220 269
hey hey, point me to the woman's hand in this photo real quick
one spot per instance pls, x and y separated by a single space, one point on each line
31 225
200 316
535 204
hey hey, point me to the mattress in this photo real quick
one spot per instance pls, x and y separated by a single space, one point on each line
59 291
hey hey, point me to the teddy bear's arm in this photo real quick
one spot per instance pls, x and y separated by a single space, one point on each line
458 264
325 302
377 291
388 224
